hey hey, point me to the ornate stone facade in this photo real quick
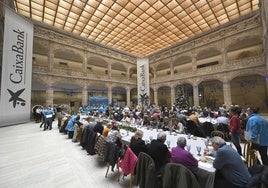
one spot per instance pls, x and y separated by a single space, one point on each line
112 71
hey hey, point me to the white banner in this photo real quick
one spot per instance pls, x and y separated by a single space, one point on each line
15 99
143 81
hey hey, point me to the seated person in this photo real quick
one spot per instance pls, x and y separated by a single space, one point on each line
182 156
231 171
114 135
107 129
138 145
207 112
166 124
132 119
194 118
223 119
98 128
159 152
178 126
145 121
125 119
155 123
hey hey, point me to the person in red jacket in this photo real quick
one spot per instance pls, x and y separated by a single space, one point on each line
235 128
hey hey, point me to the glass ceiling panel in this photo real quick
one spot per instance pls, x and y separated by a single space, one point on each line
138 27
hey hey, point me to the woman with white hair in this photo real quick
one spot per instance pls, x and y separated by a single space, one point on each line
231 171
137 145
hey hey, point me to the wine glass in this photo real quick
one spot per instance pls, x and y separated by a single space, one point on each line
198 148
168 143
170 130
188 147
206 143
189 135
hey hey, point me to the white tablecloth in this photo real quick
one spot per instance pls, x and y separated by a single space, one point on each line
207 171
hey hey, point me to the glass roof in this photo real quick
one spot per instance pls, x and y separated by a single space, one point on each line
138 27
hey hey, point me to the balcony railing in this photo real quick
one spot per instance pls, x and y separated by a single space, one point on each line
83 75
245 63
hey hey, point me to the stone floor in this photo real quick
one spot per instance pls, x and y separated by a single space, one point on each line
33 158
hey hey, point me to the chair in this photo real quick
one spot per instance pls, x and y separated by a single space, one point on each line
207 128
100 146
253 158
246 152
217 133
111 156
177 176
193 129
145 175
225 129
259 176
128 163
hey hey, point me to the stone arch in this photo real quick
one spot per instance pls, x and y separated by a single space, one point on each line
209 77
209 51
41 47
162 65
258 71
119 66
244 40
119 95
68 53
211 93
38 82
97 61
133 72
164 95
187 89
182 60
249 90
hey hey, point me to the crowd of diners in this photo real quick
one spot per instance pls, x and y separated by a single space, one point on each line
242 124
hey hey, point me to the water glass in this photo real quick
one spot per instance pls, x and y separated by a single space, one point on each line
198 148
189 135
188 147
168 143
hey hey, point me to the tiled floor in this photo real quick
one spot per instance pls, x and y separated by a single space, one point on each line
31 157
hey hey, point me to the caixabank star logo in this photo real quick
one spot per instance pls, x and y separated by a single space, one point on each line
15 97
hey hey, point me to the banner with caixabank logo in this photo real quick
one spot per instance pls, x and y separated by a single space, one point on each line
15 99
143 81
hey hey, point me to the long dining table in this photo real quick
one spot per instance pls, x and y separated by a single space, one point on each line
206 171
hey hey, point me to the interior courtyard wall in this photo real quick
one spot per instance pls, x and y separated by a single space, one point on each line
38 98
249 91
187 67
249 51
229 36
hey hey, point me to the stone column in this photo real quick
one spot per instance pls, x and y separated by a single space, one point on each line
50 57
172 96
156 96
227 93
264 19
84 68
84 96
109 70
171 69
128 70
224 57
196 95
154 71
194 65
49 94
110 94
128 97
